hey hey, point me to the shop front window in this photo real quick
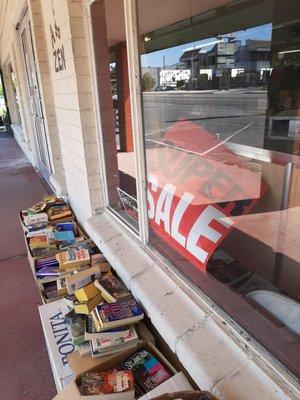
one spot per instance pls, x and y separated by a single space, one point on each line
109 39
221 114
16 99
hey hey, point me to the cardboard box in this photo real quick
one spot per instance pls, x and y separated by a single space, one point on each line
58 341
176 383
80 279
32 259
71 392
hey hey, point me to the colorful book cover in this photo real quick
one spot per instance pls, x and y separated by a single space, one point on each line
60 211
40 242
106 382
37 208
112 288
46 263
35 219
47 271
77 323
72 255
37 226
108 342
62 237
120 310
147 371
67 226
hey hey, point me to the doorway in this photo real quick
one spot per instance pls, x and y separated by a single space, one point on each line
34 98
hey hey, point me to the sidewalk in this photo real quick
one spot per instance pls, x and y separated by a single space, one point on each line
25 372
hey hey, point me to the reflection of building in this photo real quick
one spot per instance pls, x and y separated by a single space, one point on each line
191 60
254 55
222 55
170 77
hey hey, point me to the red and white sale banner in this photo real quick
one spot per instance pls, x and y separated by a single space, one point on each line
195 184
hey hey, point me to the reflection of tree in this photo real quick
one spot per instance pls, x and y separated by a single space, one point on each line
180 84
148 82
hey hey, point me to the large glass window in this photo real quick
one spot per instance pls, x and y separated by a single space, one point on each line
114 99
16 100
221 113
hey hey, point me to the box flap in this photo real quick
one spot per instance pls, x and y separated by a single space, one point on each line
70 392
82 364
176 383
104 363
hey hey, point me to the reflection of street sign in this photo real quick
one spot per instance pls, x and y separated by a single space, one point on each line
219 72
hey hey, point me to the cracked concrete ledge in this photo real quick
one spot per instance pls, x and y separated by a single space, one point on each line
206 348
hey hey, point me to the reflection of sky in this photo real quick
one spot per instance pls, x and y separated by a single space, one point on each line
172 55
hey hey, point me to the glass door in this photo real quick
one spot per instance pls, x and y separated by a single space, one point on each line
34 98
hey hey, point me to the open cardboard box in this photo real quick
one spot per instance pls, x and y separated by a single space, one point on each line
32 259
72 391
67 219
41 287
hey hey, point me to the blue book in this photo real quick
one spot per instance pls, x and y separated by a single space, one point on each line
66 226
63 237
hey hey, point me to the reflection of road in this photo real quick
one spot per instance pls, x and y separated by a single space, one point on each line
222 113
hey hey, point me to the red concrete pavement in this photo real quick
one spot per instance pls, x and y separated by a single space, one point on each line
25 372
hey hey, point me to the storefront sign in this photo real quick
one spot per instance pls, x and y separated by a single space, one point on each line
58 49
195 184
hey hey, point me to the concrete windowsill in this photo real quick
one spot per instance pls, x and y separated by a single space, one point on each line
207 349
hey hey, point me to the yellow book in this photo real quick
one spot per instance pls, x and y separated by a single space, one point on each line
86 292
86 307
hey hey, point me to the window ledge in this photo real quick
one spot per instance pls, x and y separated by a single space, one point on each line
207 349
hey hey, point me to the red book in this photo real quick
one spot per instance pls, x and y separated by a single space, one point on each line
106 382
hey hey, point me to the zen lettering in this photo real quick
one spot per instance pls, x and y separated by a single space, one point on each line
58 49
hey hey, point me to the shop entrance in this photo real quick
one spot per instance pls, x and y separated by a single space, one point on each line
34 98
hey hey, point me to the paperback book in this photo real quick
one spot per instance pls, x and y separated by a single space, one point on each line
59 212
104 346
92 333
72 258
122 312
77 324
67 226
85 307
47 271
107 382
147 371
35 219
112 289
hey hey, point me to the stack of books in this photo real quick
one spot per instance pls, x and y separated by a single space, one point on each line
108 312
93 310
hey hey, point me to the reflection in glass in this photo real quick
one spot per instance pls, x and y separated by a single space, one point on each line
114 98
221 130
15 96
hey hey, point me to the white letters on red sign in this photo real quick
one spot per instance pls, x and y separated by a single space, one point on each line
160 212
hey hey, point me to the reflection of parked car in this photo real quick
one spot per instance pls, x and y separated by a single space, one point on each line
161 88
